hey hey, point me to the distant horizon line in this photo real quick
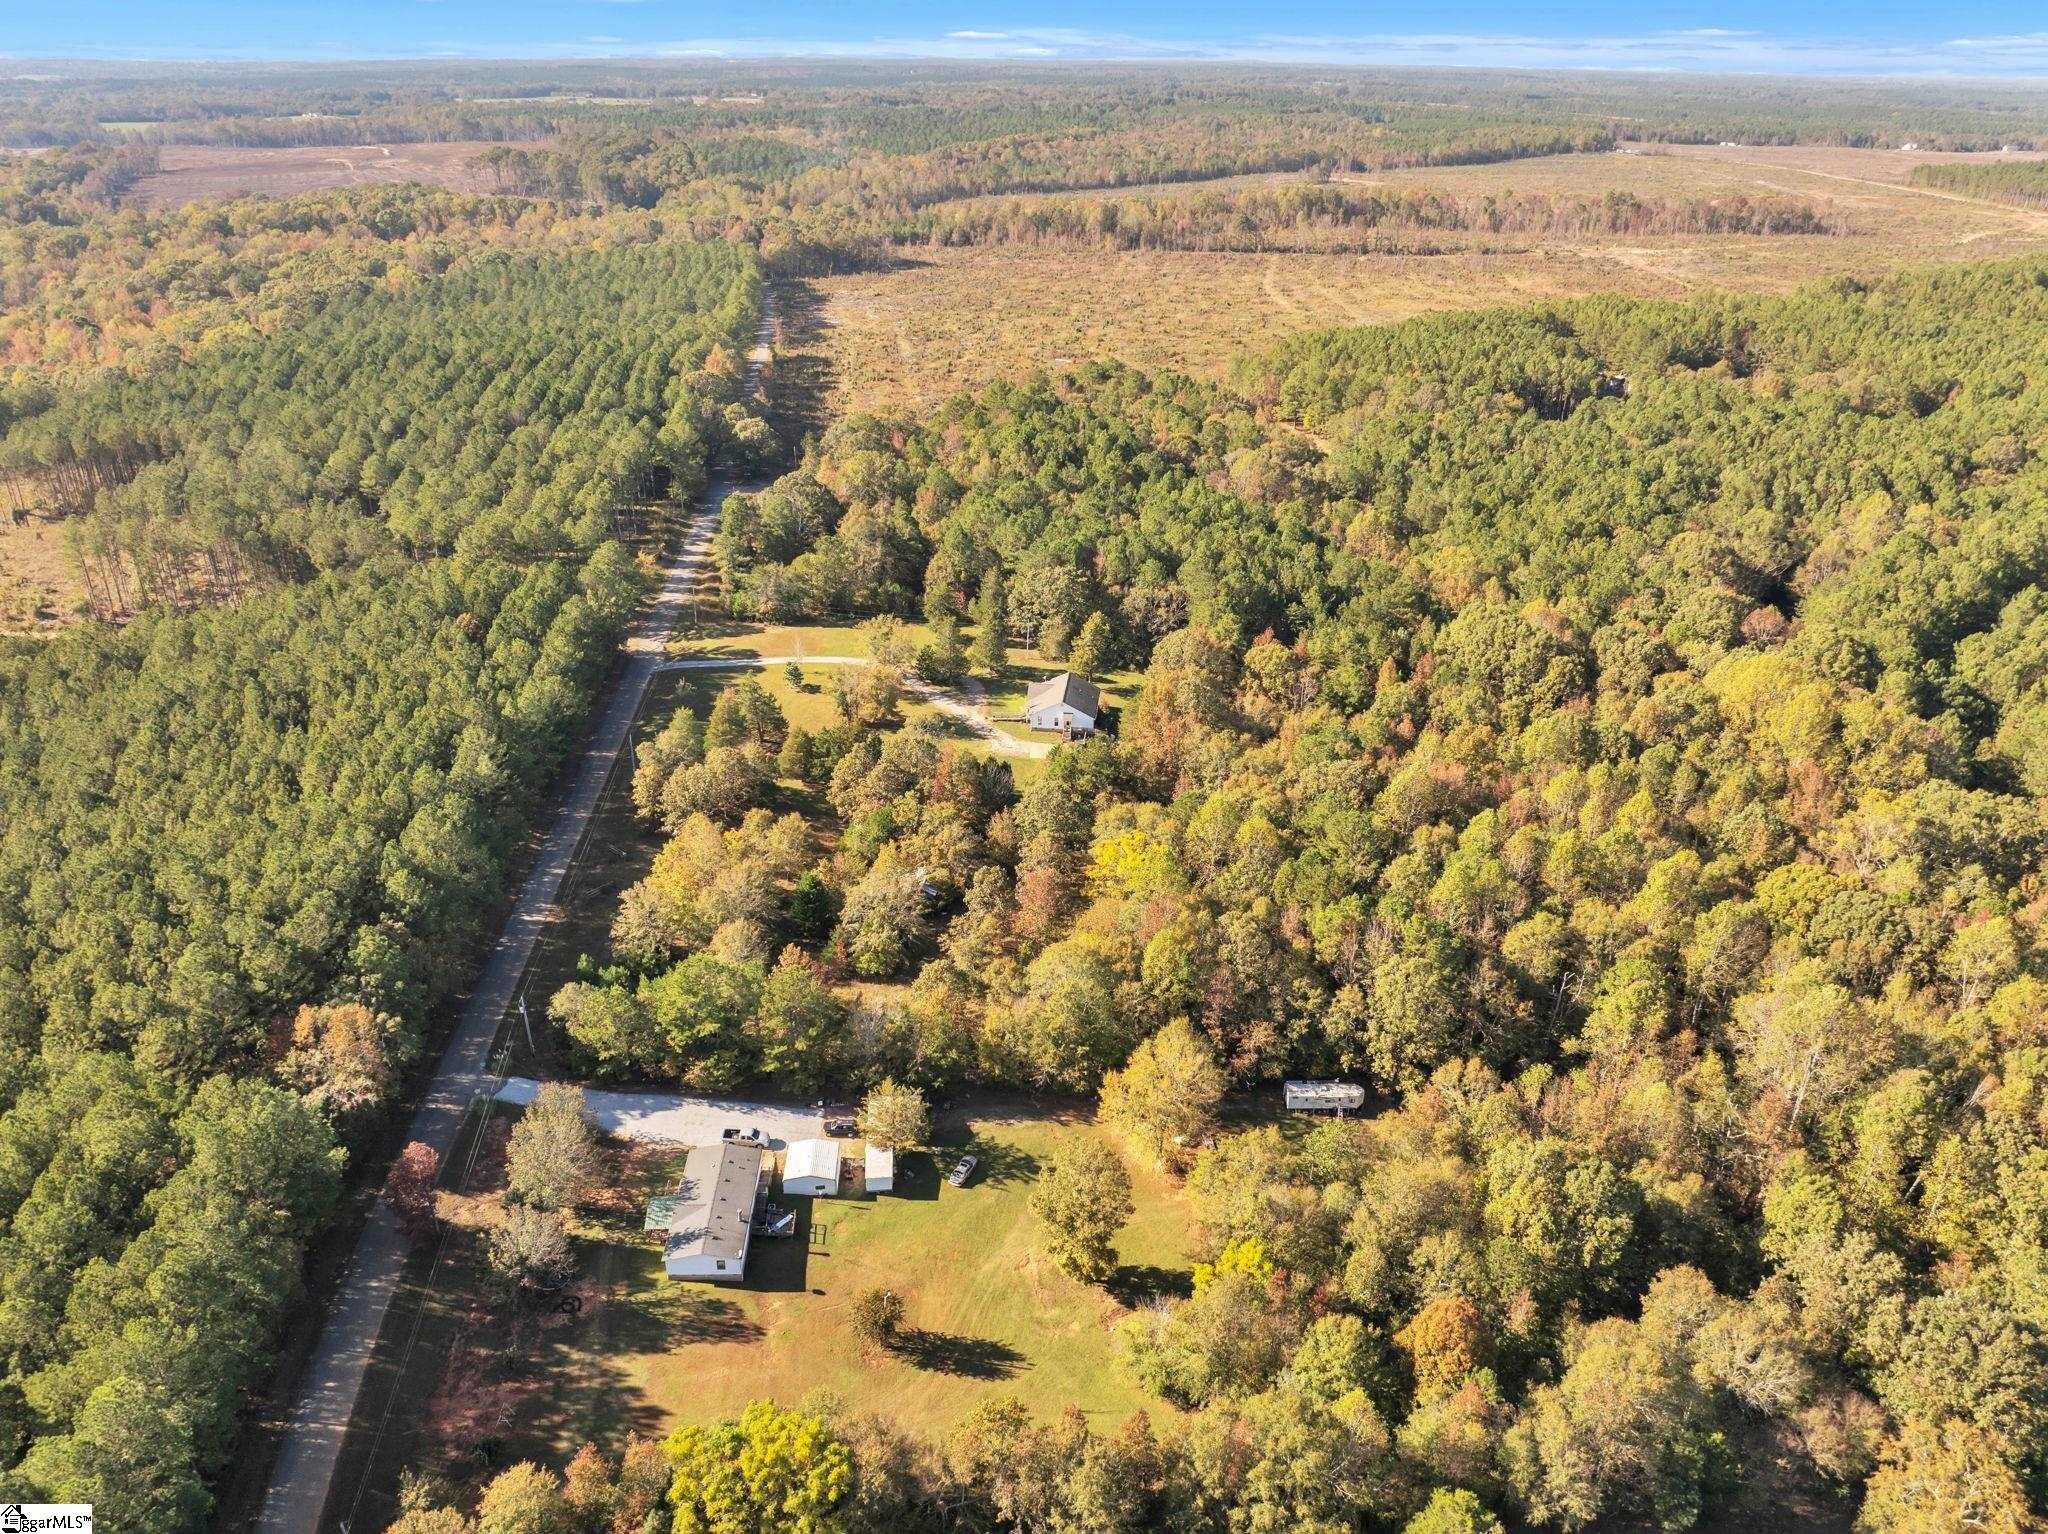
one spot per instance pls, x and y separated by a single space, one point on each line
1843 75
2013 59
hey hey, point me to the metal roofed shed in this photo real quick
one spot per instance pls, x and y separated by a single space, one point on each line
1324 1096
879 1169
710 1216
1067 703
812 1167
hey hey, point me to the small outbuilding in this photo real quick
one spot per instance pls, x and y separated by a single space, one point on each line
1066 703
879 1170
812 1168
1324 1097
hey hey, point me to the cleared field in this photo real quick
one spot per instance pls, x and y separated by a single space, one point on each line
945 319
745 639
190 173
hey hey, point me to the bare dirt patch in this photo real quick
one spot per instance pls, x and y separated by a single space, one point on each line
189 174
39 586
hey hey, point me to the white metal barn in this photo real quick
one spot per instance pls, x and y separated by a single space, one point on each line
1324 1097
812 1167
880 1169
1065 703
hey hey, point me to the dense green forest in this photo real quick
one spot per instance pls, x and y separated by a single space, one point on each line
1311 217
252 848
80 289
2021 181
521 403
1642 790
819 213
638 168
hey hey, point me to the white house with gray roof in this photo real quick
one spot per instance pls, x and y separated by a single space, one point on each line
707 1222
1065 703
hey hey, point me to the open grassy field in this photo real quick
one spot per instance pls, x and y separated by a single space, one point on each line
188 173
944 319
744 639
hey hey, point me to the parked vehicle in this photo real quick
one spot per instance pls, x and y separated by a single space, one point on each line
842 1128
738 1136
962 1170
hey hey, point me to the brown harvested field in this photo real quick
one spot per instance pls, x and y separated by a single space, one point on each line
188 174
948 319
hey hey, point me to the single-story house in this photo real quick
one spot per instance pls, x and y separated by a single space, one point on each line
707 1221
1324 1097
1067 703
812 1167
880 1169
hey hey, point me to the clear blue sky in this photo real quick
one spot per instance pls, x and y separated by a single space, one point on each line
1986 37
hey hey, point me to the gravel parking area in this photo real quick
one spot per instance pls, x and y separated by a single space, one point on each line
673 1119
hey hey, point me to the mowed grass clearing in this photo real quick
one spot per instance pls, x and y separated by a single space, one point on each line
987 1311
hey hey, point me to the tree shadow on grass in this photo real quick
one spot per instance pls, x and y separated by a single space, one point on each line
804 373
1135 1284
917 1176
998 1161
667 1320
581 1389
1001 1163
977 1358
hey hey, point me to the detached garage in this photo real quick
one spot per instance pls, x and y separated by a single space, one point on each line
812 1168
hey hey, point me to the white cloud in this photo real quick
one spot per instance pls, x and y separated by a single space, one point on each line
1693 49
1705 49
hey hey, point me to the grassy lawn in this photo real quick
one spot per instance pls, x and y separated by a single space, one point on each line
987 1311
809 705
745 639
